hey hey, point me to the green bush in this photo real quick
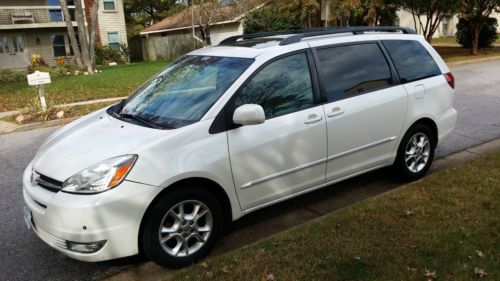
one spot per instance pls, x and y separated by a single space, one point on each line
8 75
267 19
487 36
106 54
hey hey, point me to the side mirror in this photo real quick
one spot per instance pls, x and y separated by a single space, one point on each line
249 114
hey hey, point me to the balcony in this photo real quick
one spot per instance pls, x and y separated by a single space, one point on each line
21 17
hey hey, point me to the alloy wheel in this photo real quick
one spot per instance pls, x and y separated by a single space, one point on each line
417 152
185 228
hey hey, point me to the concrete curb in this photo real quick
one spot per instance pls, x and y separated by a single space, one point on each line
471 61
14 112
38 125
151 271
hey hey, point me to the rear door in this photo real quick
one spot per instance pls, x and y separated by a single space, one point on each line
365 107
286 154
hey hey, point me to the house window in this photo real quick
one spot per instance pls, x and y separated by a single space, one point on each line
58 45
109 5
113 40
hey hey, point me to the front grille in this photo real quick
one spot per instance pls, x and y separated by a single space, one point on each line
49 184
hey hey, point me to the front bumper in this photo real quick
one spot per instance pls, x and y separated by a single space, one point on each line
114 216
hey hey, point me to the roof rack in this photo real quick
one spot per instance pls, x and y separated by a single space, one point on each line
297 35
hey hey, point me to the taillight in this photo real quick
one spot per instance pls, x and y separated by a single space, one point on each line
450 79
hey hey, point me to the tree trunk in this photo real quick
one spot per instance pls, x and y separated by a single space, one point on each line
93 29
476 29
82 34
428 37
71 34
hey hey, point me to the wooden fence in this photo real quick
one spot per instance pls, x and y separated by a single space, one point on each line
155 48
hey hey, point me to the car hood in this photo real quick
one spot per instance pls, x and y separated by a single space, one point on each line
88 141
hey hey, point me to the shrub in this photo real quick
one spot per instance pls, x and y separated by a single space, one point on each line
487 36
269 18
105 55
8 75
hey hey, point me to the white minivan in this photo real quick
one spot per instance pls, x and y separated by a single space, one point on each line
226 130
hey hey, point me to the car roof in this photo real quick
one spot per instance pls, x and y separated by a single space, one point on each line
253 45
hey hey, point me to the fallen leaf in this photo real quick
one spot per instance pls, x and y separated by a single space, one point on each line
270 277
408 212
430 274
204 264
480 272
210 274
20 118
224 269
479 254
60 114
358 258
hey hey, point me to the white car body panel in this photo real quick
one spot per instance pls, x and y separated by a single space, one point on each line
255 165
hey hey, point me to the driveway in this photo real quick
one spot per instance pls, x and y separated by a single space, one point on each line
24 257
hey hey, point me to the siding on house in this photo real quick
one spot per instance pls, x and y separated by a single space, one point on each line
222 31
112 21
44 47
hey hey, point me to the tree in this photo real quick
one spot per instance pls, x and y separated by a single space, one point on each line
85 51
205 13
71 34
140 14
433 10
362 12
477 12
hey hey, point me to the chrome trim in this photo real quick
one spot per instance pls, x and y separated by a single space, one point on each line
366 146
305 166
279 174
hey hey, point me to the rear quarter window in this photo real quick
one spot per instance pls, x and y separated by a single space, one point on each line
411 59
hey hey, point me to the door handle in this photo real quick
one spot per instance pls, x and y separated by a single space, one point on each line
313 118
335 112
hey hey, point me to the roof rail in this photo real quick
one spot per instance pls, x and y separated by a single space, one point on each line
297 35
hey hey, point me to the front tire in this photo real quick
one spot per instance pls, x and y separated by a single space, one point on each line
182 227
415 152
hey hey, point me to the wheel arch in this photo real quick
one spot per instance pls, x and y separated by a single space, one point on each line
429 123
203 183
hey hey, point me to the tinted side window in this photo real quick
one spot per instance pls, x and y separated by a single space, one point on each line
282 87
352 70
411 59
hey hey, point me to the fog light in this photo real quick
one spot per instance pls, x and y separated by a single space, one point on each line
85 248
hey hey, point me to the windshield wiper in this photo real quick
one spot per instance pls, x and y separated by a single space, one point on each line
142 120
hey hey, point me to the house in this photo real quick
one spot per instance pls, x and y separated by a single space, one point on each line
227 21
37 27
447 26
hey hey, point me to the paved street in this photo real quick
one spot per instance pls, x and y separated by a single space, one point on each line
24 257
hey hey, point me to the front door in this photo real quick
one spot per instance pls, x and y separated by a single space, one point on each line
365 108
13 53
287 153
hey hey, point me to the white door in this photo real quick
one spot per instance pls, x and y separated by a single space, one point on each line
365 111
13 53
287 153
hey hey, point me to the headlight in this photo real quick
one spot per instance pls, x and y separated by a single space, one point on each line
100 177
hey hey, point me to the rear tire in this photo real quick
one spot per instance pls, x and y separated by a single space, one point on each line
415 152
182 227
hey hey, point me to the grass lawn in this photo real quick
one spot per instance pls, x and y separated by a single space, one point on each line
444 227
453 40
453 54
112 82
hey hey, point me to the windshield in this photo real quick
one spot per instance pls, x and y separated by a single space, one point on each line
182 93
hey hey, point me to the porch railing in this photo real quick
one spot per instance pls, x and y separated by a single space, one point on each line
33 14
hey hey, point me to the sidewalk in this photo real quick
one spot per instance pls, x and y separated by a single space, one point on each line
266 225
